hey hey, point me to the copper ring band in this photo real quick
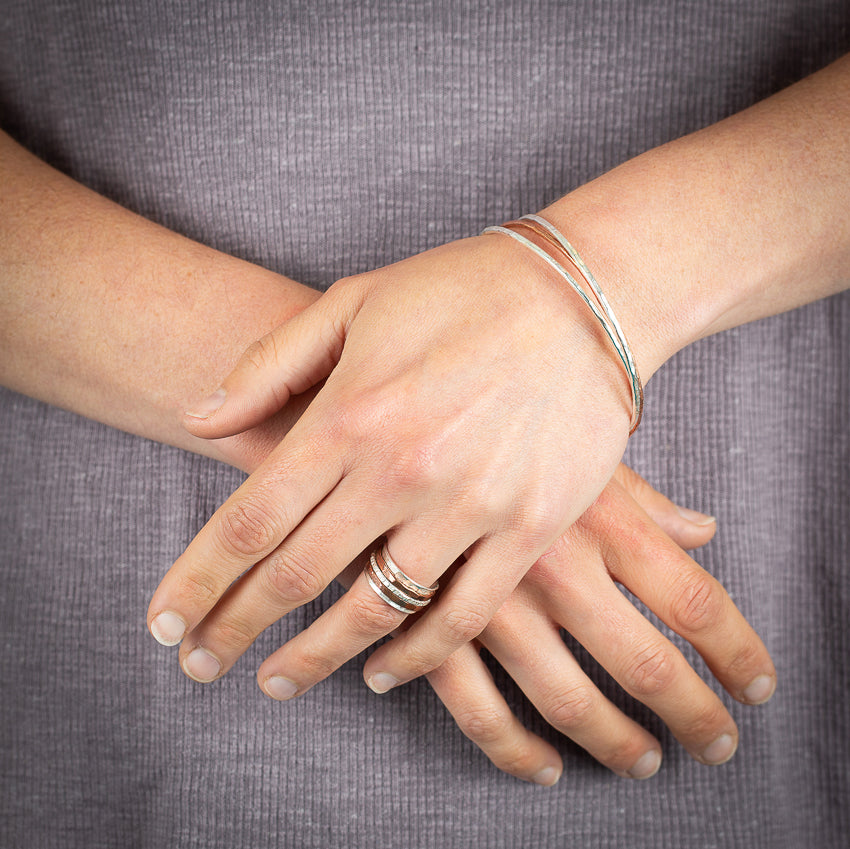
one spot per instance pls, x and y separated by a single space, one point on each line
395 587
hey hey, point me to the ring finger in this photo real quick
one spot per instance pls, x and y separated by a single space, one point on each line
361 616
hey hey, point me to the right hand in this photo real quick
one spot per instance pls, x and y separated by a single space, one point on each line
469 407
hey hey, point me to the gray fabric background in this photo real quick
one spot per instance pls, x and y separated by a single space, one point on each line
325 138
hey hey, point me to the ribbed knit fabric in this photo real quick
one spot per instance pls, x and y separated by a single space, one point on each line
325 138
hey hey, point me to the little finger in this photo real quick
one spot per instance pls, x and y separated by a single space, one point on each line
325 543
245 529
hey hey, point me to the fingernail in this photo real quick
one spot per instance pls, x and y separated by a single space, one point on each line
208 406
547 777
694 517
280 688
760 689
646 765
168 628
201 666
720 750
381 682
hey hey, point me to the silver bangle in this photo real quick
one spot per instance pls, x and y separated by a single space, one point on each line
603 312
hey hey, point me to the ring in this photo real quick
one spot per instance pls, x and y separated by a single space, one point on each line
393 586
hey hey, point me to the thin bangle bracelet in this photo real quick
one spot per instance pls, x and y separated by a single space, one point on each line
552 236
605 316
634 376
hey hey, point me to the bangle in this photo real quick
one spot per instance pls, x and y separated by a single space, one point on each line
556 244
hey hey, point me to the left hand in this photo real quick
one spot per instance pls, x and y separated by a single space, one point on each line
472 406
631 536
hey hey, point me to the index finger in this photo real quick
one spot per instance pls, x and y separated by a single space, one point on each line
250 525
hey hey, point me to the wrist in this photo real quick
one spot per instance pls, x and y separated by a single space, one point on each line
661 306
738 221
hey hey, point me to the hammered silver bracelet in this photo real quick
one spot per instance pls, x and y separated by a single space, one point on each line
601 308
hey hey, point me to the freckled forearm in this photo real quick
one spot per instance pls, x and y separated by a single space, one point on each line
744 219
116 318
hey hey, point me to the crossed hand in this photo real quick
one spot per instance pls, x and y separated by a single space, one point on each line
473 419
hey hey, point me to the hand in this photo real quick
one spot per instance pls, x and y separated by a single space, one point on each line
471 407
472 410
630 535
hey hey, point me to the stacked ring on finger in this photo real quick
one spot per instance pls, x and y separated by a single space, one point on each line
393 586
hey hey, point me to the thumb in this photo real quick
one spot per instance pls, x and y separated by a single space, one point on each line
290 359
687 528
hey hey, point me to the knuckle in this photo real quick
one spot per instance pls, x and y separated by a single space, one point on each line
359 416
571 708
261 353
519 760
747 658
418 467
650 672
292 579
246 528
372 617
621 753
698 603
342 284
234 633
461 624
485 725
536 521
198 589
622 529
705 724
312 667
419 659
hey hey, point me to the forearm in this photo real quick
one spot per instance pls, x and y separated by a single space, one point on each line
116 318
744 219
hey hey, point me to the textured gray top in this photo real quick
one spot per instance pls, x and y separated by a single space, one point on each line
323 138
